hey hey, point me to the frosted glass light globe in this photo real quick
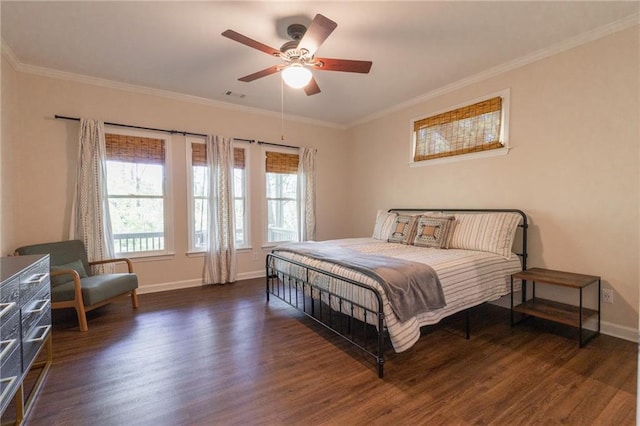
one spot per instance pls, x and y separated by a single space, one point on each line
296 76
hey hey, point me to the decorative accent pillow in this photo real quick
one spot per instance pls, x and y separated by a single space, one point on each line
76 265
491 232
384 222
403 229
433 231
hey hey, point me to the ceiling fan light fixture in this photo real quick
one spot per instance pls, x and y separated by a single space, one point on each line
296 76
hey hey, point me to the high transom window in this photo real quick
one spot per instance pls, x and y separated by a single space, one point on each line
469 129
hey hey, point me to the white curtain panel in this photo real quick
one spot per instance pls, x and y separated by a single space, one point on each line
307 193
91 222
220 257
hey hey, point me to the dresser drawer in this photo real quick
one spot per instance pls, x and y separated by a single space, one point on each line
10 326
32 342
34 310
8 365
7 310
10 291
10 370
33 279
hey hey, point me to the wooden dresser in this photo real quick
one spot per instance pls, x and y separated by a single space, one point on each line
25 329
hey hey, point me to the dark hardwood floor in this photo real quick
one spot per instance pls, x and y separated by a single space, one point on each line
222 355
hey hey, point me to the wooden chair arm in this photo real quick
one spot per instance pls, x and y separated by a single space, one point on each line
76 281
120 259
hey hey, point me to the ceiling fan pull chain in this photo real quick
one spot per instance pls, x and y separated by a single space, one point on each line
282 110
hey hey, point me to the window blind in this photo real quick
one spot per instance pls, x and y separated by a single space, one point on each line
463 130
279 162
199 156
134 149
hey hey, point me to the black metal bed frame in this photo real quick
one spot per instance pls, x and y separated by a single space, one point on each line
369 332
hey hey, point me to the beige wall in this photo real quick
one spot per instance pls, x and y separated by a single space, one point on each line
40 189
7 154
573 167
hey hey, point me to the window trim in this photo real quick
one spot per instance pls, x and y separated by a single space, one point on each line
265 211
167 186
192 249
190 225
505 94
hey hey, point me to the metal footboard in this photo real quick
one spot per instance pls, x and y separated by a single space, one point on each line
362 326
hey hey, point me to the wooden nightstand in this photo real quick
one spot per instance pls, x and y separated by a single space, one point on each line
575 316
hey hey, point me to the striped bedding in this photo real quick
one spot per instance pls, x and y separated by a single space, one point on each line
468 278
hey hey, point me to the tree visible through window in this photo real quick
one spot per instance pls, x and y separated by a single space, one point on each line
135 184
282 196
199 189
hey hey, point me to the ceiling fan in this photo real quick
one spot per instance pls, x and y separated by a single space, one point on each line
298 55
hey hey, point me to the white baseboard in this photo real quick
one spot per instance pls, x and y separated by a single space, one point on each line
619 331
177 285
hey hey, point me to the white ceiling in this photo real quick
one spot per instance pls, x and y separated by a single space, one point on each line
416 47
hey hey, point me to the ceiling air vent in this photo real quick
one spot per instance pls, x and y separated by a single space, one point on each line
234 94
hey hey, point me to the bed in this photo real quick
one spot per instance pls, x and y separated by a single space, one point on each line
472 254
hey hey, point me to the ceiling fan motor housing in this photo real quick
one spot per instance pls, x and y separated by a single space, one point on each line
296 31
290 45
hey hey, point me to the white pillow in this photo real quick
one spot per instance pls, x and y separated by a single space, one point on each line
491 232
384 222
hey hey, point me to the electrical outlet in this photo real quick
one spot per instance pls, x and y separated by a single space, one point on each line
607 295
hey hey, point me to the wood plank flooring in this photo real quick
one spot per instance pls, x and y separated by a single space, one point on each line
223 355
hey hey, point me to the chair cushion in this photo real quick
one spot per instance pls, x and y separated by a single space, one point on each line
76 265
96 289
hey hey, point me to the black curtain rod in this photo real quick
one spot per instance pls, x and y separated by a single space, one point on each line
173 132
278 144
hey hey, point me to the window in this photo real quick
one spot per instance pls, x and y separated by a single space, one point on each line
198 204
281 176
138 202
475 128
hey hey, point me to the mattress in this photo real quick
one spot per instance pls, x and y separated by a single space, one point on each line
468 278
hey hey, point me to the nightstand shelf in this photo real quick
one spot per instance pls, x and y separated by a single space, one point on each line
574 316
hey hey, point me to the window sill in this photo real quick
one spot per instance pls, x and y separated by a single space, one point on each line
456 158
147 257
202 253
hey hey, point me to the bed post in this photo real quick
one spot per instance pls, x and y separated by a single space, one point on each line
467 324
267 274
380 357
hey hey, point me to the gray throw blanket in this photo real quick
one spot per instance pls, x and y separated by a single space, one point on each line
411 287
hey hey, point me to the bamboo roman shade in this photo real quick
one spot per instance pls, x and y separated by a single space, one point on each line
279 162
134 149
463 130
199 156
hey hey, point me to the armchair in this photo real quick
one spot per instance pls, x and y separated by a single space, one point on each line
73 285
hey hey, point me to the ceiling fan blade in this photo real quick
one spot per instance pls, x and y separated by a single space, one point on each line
312 88
250 42
345 65
321 27
263 73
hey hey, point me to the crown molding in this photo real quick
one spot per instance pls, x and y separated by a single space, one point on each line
110 84
568 44
7 52
586 37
